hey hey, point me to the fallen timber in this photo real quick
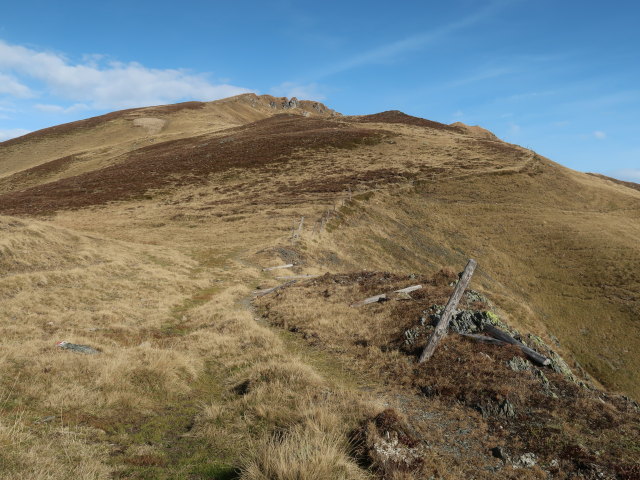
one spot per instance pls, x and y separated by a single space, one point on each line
505 338
268 269
297 277
385 296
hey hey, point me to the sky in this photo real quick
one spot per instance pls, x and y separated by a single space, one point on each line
561 78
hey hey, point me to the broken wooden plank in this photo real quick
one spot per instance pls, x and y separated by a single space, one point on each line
410 289
383 296
367 301
267 269
265 291
531 354
443 324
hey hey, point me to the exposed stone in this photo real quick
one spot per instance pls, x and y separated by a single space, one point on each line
74 347
403 296
472 296
489 408
526 460
519 364
411 335
507 409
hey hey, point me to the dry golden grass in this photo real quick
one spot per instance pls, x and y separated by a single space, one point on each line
100 143
189 385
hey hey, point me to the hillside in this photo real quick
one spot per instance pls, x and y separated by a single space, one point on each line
143 233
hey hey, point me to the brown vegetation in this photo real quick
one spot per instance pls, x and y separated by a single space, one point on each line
181 162
533 410
191 383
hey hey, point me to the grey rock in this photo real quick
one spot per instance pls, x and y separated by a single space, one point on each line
507 409
86 349
519 364
411 335
526 460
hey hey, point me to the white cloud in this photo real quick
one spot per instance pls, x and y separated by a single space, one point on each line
12 133
109 85
600 135
628 174
49 108
302 92
10 86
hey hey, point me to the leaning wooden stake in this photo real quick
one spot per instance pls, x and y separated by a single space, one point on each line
443 324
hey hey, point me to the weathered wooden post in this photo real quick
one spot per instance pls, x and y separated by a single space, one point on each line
298 232
443 324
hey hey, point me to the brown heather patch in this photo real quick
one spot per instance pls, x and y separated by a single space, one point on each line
186 161
396 116
550 417
36 174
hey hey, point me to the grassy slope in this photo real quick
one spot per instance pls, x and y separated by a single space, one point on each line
438 197
560 248
102 141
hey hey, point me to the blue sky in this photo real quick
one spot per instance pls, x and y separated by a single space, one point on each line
562 78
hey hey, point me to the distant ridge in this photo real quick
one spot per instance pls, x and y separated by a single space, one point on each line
635 186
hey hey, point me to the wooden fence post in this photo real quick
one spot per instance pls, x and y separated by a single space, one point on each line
297 233
443 324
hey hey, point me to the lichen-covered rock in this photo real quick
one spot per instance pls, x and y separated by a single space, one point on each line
389 445
471 296
519 364
462 321
489 408
526 460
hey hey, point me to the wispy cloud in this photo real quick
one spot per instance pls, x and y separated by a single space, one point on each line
50 108
102 84
392 50
599 134
12 133
10 86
